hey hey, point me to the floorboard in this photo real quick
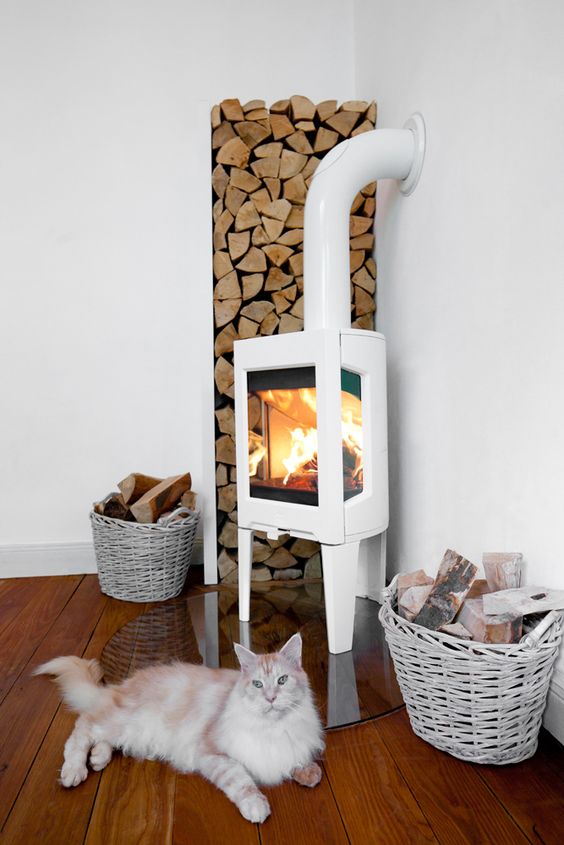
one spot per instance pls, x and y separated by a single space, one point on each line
381 785
21 637
376 805
28 709
448 790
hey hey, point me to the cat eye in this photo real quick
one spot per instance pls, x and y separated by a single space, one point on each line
257 684
282 679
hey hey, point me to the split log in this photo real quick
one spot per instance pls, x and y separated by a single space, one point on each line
251 133
371 267
273 228
295 190
289 323
478 588
261 551
224 376
280 107
243 180
257 310
301 108
231 109
277 279
274 186
277 254
234 199
221 264
364 280
313 567
453 581
269 324
324 140
363 302
225 564
215 117
260 573
366 126
455 629
359 225
247 217
412 601
234 152
222 135
362 242
505 628
326 109
274 148
238 244
226 420
354 105
259 237
253 262
343 122
227 498
264 167
502 569
228 287
221 477
254 104
304 548
299 143
220 180
136 485
223 222
293 237
247 328
524 600
287 574
418 578
189 500
160 498
224 340
261 199
228 535
281 559
295 218
291 164
225 310
279 210
225 450
371 113
297 309
252 285
306 125
296 263
113 506
281 126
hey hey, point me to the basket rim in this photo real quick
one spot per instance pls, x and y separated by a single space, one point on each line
449 643
187 522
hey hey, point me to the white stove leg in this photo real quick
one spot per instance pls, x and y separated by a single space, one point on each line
340 565
245 540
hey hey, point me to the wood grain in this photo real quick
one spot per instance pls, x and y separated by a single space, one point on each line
21 637
203 815
374 801
29 707
311 814
44 810
447 789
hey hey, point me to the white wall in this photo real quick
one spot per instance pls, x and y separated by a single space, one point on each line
105 320
471 283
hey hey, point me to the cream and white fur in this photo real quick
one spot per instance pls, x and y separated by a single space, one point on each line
237 729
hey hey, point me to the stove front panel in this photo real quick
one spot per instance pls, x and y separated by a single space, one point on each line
288 410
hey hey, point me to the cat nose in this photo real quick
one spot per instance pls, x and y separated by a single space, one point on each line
270 696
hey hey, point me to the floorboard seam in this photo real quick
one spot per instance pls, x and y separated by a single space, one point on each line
506 809
336 802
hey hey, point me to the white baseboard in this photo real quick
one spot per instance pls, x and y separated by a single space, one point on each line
23 560
29 560
553 719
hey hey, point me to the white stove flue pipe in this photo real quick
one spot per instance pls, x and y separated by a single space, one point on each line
352 164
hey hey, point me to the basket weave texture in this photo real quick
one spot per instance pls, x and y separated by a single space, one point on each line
139 562
482 703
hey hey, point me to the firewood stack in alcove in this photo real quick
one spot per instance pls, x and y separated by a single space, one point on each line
263 163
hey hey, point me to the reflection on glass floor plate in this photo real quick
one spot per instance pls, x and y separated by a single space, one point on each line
348 687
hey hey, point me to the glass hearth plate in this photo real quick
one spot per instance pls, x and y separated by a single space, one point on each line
349 687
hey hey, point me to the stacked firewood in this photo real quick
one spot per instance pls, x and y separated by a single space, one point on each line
491 610
145 499
263 163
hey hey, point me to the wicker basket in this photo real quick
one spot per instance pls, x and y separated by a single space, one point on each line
482 703
143 562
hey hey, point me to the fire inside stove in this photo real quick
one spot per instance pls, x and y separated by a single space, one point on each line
283 435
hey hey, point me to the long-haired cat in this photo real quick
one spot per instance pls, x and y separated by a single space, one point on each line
237 729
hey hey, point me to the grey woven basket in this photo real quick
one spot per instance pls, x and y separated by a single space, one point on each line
144 562
482 703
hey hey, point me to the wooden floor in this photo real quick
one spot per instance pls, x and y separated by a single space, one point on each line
381 784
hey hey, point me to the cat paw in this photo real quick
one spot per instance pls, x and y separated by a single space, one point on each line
72 774
309 775
255 808
100 755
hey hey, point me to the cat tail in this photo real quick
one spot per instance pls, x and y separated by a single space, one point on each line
78 681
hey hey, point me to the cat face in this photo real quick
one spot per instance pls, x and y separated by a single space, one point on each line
273 684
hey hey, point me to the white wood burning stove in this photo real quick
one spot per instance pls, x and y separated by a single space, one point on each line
310 407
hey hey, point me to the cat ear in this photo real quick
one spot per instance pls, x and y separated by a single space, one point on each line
292 651
246 658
